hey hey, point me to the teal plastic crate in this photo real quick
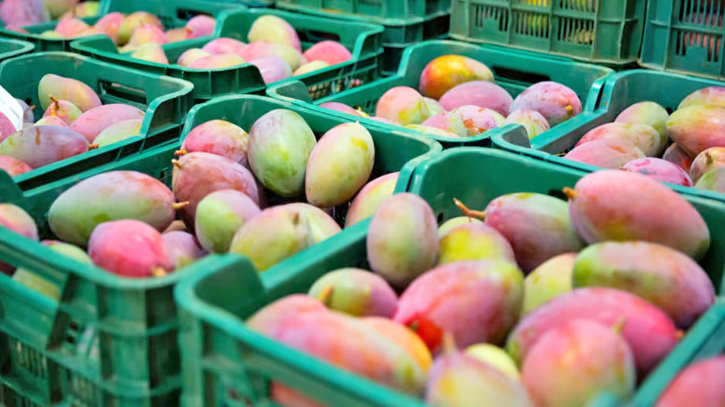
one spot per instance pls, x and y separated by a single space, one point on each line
685 36
364 41
173 14
165 100
14 48
397 38
227 364
381 11
112 341
610 97
514 71
600 31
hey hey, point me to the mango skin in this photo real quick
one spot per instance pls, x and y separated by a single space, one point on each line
28 115
712 95
556 102
260 50
92 122
17 220
649 113
533 121
183 248
650 333
321 224
109 24
66 111
220 215
537 226
713 180
330 52
274 29
676 155
478 93
310 67
49 121
273 236
68 89
432 131
460 380
705 161
663 276
221 138
403 337
133 21
478 120
474 301
355 292
551 279
272 69
620 206
495 357
370 197
697 128
223 46
151 52
698 383
13 166
191 55
280 145
40 284
474 241
219 61
645 137
575 362
433 106
402 241
200 25
446 72
119 131
38 146
341 107
340 164
453 223
403 105
659 170
110 196
450 122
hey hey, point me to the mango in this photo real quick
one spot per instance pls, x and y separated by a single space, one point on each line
403 337
433 106
28 115
191 55
273 317
92 122
620 206
556 102
23 12
197 175
533 121
273 236
698 383
51 34
355 292
272 69
475 301
110 24
494 357
310 67
343 108
7 128
133 21
69 27
42 145
550 280
449 122
129 248
474 241
322 225
330 52
86 9
219 137
13 167
661 275
402 241
220 215
50 121
110 196
659 170
713 180
453 223
199 26
217 62
176 35
258 50
575 362
649 113
712 95
224 46
611 154
370 197
446 72
72 90
676 155
432 131
274 29
650 333
147 33
17 220
403 105
705 161
696 128
119 131
460 380
151 52
64 110
41 284
478 93
478 120
57 8
183 248
643 136
280 145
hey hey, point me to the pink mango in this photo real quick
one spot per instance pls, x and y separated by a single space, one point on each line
478 119
705 161
341 107
404 105
273 69
643 136
660 170
274 29
176 35
13 167
478 93
676 155
7 128
696 128
698 385
369 199
64 110
712 95
450 122
200 26
533 121
17 220
611 154
70 27
23 12
219 137
133 21
191 55
145 34
556 102
224 46
182 248
91 123
355 292
42 145
109 24
258 50
28 115
72 90
217 62
331 52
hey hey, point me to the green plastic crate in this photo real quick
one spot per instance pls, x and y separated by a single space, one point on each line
514 71
362 39
397 38
173 14
227 364
685 36
382 11
112 341
601 31
165 100
611 96
14 48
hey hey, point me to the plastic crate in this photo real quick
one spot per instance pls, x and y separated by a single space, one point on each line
382 11
173 14
133 356
514 71
227 364
611 96
397 38
165 100
14 48
601 31
685 36
363 39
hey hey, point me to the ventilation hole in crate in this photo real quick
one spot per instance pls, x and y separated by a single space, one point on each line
588 6
558 193
440 218
165 176
532 24
21 401
29 359
704 13
82 391
483 14
576 31
705 44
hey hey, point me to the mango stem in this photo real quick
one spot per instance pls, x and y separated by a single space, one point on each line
570 193
326 295
180 205
159 272
177 164
480 215
180 152
449 344
93 146
569 110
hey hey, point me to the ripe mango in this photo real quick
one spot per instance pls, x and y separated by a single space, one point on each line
355 292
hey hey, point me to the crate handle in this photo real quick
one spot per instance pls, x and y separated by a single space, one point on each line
519 75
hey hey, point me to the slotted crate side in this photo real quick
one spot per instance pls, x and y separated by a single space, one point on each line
380 11
398 38
618 92
228 364
514 71
608 32
363 40
166 102
685 36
